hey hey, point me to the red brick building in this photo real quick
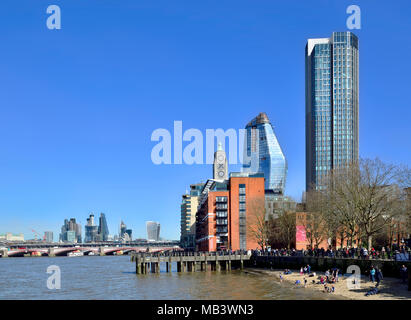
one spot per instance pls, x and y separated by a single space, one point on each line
226 211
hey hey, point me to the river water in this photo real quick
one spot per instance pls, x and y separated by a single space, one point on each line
113 277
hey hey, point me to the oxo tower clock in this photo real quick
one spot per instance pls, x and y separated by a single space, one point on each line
220 166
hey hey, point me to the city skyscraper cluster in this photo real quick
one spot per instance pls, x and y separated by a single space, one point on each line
71 231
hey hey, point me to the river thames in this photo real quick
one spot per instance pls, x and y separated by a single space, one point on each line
113 277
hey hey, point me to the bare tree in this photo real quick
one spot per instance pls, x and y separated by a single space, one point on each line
257 225
314 222
379 197
338 200
282 230
363 198
408 210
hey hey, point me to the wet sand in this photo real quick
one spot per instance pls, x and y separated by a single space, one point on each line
390 288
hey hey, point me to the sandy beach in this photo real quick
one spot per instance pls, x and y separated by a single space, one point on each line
390 288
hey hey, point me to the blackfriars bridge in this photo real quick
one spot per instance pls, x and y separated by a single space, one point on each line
101 249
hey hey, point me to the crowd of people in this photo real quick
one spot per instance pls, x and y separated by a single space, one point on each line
331 276
328 280
353 253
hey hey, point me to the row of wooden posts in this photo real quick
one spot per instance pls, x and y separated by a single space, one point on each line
148 263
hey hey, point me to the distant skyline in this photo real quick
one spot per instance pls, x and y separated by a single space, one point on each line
78 105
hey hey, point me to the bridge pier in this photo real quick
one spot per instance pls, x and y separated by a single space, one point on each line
101 251
218 266
155 267
4 254
51 252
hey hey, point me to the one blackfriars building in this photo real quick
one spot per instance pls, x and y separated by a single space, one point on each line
263 154
331 115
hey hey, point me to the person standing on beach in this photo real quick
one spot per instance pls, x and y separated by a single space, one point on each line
404 273
372 274
388 253
378 276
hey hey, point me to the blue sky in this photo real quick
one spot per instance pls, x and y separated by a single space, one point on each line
78 105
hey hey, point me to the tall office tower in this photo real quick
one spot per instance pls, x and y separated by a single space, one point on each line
70 231
48 236
103 228
331 114
153 231
91 230
189 206
220 166
263 154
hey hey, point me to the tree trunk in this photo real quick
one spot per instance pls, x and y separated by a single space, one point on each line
369 243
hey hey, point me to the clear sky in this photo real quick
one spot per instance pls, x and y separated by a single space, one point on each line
78 105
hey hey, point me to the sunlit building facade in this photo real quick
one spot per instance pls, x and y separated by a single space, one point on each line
331 105
229 211
263 154
189 206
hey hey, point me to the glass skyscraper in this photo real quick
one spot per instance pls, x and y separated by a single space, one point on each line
331 116
103 228
153 231
263 154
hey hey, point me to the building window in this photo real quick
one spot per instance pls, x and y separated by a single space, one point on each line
242 217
